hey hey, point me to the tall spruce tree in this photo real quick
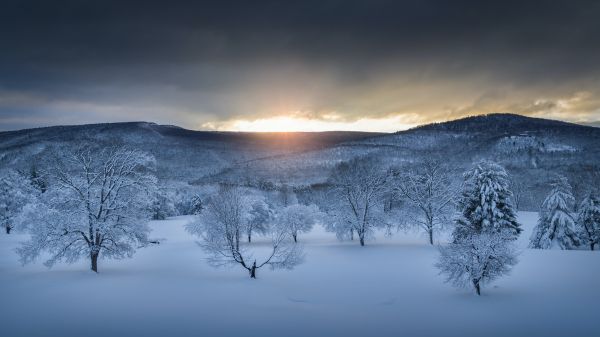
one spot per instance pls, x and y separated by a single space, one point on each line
589 219
486 202
556 226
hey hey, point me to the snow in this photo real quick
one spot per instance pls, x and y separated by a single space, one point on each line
387 288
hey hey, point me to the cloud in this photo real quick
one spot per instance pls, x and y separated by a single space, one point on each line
216 62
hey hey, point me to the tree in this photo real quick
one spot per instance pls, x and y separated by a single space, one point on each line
589 219
98 202
258 217
221 227
286 195
430 195
482 246
556 227
297 218
15 192
196 206
358 188
519 190
486 201
163 205
37 180
478 259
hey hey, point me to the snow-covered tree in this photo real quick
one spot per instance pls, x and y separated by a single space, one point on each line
519 191
430 195
221 228
98 202
297 218
15 192
258 217
37 181
286 195
482 246
358 187
163 205
196 206
486 202
478 259
556 226
589 219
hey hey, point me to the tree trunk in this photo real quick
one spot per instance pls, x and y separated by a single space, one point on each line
94 260
295 236
430 236
253 270
8 232
249 237
351 234
592 246
362 240
477 288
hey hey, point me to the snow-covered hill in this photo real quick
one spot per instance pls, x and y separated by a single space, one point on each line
531 149
182 155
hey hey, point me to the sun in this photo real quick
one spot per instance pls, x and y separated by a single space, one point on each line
300 124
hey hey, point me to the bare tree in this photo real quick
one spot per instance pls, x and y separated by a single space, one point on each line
98 201
478 259
259 216
359 187
519 191
430 196
297 218
222 226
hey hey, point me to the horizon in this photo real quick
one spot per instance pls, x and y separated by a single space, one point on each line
377 66
592 124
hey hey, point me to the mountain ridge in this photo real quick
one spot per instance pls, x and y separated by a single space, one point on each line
532 149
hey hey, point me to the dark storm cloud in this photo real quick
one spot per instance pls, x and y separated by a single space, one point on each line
194 62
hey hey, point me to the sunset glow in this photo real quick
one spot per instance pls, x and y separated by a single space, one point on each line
295 124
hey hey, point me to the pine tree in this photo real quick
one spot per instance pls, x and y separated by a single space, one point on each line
37 180
589 219
15 193
486 202
556 227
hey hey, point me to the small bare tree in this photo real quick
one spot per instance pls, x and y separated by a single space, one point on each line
297 218
430 196
519 191
478 259
222 226
259 216
98 201
359 187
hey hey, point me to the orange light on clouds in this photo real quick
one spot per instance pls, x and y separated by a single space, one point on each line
298 124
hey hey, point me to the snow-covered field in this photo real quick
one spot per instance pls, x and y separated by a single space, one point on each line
388 288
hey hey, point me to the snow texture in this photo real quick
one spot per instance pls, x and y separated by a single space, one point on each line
388 288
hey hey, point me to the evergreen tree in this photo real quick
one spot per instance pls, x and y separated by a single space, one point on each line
196 205
482 246
556 227
486 202
15 193
37 180
589 219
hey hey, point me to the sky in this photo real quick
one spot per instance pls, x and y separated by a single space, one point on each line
308 65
